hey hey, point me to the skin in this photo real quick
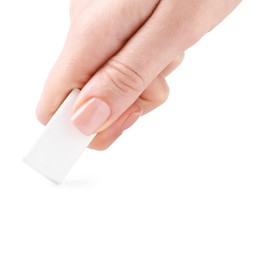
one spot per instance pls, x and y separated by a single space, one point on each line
121 51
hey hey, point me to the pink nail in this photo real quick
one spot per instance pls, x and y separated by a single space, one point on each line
132 118
91 116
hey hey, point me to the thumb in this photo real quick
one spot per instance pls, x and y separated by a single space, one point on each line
120 82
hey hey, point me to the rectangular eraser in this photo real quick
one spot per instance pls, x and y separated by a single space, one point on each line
60 145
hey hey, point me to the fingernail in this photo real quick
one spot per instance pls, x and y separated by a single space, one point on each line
91 116
132 118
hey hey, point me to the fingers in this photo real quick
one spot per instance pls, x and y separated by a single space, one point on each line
107 137
94 41
119 83
95 35
154 96
151 98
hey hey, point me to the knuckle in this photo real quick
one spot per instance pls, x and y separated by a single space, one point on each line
125 79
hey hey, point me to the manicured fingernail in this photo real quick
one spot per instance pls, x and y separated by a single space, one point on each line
132 118
91 116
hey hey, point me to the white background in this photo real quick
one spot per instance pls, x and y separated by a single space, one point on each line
183 183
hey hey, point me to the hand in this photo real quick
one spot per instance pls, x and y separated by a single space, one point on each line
118 53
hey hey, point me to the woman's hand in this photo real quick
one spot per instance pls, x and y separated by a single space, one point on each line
119 52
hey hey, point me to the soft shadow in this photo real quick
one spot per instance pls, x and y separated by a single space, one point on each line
79 183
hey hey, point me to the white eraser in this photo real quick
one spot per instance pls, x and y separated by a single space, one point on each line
60 145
